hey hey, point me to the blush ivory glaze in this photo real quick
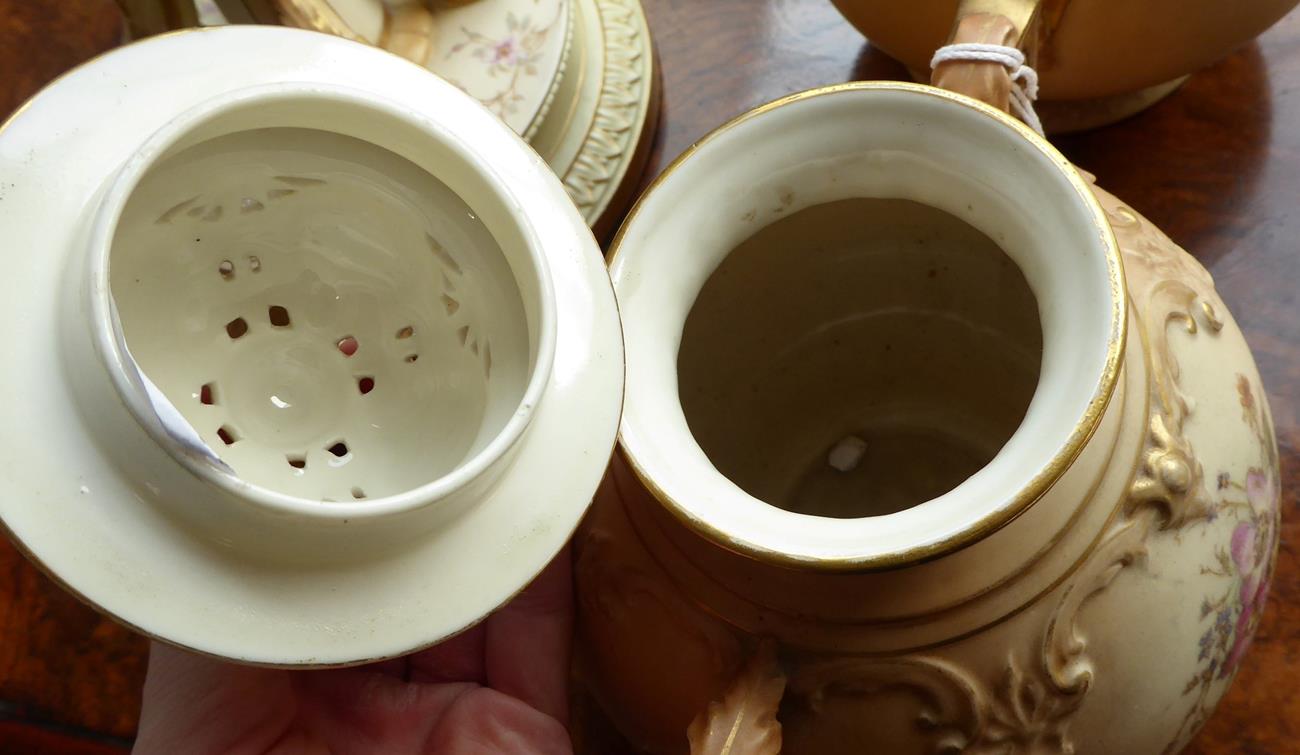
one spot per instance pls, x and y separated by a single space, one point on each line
1098 62
1092 568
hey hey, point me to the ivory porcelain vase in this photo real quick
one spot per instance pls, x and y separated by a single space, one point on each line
929 445
1098 61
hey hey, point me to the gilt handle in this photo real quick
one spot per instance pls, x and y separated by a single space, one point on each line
1011 23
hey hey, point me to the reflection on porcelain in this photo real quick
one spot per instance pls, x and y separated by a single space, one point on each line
927 442
307 337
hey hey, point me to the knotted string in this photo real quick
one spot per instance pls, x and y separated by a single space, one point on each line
1024 80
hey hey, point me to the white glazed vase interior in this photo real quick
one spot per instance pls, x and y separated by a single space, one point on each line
299 309
883 325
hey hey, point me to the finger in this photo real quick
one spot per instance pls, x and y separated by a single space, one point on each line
196 704
360 711
459 659
355 711
395 668
487 722
527 652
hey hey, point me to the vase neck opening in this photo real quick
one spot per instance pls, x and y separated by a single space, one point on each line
859 357
891 339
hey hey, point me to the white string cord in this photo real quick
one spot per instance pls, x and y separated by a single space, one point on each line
1024 80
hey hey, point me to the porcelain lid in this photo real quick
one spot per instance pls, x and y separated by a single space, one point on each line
385 262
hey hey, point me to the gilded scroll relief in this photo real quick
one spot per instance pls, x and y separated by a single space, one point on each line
1169 491
951 712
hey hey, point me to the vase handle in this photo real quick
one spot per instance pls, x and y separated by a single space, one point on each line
1007 23
743 720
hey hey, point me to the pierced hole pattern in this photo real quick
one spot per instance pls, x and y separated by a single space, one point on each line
236 328
213 393
348 345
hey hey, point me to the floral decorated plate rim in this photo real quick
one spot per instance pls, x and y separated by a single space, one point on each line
507 54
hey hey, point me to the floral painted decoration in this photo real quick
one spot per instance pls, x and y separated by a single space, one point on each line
1247 558
511 58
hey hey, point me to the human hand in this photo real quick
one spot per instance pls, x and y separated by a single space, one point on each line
499 687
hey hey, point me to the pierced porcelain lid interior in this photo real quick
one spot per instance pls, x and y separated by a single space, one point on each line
279 310
301 360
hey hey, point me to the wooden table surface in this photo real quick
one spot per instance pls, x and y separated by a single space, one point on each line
1216 165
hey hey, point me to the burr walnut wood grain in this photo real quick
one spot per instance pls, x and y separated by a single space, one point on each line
30 739
40 40
59 661
1216 166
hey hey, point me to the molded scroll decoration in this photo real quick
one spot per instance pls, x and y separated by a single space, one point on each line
1170 478
1169 491
1027 715
952 709
1032 708
1172 290
743 721
618 111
